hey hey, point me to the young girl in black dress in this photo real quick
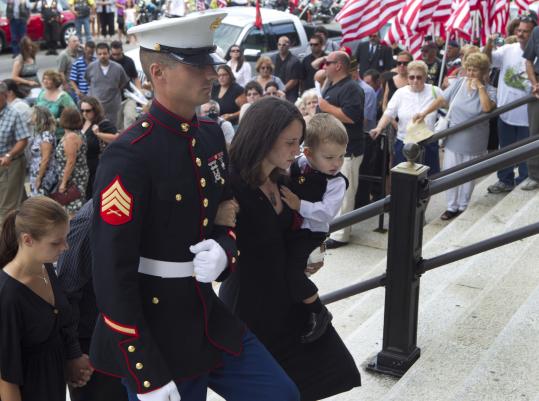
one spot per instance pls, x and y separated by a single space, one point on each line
264 147
34 343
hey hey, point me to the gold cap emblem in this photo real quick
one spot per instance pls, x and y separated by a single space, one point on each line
157 47
215 24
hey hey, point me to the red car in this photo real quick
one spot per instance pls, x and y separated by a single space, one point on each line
34 28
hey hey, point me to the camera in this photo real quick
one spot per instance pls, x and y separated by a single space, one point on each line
499 41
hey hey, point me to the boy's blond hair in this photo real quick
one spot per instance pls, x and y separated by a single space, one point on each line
324 128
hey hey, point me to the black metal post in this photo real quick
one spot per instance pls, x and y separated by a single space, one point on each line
406 219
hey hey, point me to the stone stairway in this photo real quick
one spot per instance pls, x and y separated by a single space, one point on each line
467 312
451 297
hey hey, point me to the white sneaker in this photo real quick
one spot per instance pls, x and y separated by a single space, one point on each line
530 185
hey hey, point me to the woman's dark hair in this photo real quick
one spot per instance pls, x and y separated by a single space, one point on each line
28 48
253 141
271 84
36 216
14 87
99 113
71 119
228 71
241 59
253 85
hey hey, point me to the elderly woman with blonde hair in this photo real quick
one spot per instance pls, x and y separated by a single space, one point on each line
467 97
405 103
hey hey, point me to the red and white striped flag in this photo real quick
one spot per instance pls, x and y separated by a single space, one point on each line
524 5
459 20
222 3
361 18
495 16
413 19
443 11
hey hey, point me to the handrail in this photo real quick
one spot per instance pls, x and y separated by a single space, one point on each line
481 246
345 292
480 119
484 167
487 156
363 213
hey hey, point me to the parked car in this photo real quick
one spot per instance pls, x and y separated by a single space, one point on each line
35 26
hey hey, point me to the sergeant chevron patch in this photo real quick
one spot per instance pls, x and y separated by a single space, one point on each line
116 203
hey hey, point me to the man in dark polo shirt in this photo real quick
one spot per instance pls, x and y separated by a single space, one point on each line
288 68
345 100
316 44
128 113
531 54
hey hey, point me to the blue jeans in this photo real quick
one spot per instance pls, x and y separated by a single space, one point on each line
508 134
17 28
254 375
83 22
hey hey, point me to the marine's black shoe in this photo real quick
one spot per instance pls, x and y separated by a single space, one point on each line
316 326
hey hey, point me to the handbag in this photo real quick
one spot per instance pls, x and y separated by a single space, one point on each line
443 121
71 194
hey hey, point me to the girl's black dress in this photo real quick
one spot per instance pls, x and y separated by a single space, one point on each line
258 292
32 339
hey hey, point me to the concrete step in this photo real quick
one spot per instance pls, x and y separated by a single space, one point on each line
351 312
509 371
441 299
447 362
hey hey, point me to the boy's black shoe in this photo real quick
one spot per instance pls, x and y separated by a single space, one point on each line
316 326
332 244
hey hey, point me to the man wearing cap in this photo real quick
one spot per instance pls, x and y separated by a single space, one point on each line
512 85
429 53
531 54
452 59
157 243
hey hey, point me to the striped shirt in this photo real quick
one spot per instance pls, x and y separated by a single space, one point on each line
78 70
74 270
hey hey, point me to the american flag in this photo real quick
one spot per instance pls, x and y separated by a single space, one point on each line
412 23
459 20
361 18
495 16
523 5
222 3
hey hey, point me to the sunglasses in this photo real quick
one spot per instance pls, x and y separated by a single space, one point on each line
415 77
329 62
235 51
86 110
314 44
265 67
403 62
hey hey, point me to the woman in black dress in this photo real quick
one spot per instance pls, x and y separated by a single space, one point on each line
34 313
97 132
229 94
258 292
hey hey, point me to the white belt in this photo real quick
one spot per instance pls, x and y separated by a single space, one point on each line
164 269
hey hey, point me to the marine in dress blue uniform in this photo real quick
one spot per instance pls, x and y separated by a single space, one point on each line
154 242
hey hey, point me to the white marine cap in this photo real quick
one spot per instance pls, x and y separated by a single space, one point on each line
189 39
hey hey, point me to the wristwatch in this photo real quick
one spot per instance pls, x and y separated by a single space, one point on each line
8 155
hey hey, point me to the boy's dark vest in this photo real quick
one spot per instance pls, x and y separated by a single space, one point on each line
311 185
24 11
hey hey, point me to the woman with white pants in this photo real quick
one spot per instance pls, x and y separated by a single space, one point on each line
467 97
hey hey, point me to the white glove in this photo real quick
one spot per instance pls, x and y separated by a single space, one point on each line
169 392
210 260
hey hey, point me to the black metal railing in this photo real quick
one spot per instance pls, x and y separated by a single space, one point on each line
405 264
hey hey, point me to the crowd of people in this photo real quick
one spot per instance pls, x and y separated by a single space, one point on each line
162 211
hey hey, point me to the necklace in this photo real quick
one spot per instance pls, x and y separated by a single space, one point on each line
273 200
44 275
